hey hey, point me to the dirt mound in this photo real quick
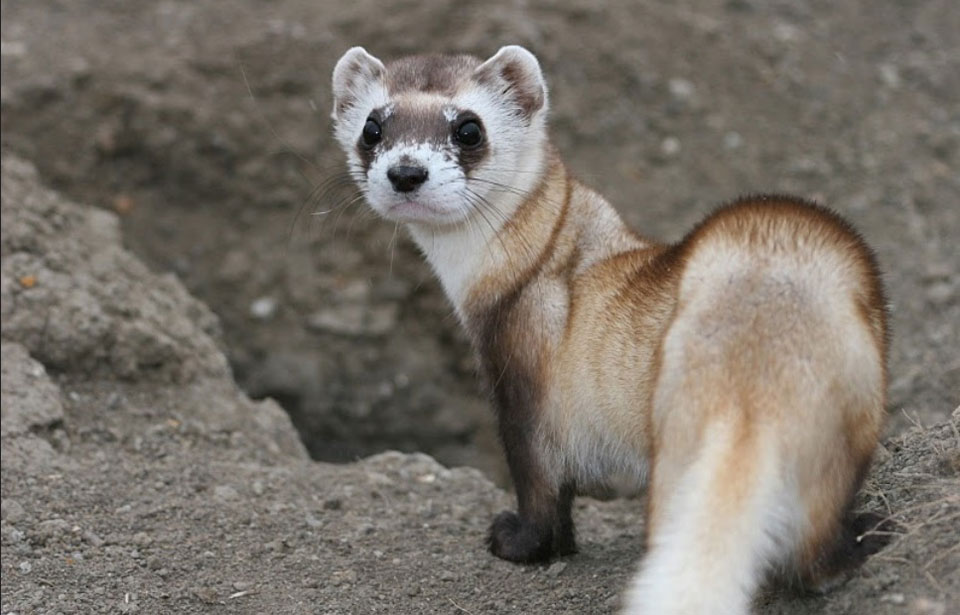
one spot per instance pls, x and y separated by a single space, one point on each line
143 481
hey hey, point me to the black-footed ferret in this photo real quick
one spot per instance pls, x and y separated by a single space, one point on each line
739 373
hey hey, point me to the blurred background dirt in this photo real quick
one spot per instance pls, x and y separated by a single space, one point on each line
204 127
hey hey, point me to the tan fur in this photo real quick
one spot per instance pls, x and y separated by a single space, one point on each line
598 360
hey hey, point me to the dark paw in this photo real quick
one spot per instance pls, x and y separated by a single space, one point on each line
517 540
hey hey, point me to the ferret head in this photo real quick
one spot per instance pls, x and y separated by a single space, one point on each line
435 140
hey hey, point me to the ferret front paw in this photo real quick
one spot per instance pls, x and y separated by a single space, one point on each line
519 540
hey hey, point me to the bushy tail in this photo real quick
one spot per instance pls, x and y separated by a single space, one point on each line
716 527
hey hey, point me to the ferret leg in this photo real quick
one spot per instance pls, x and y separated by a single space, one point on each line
542 527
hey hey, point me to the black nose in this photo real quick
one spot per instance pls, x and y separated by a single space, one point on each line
406 179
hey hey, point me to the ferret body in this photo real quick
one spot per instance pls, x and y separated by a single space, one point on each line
739 373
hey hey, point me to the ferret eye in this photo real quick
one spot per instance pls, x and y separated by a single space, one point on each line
372 133
469 134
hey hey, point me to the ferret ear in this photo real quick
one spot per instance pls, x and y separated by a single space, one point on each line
514 72
353 75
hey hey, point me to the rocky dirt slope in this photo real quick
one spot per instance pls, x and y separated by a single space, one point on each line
137 478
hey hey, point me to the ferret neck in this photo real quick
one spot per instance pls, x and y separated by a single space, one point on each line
500 243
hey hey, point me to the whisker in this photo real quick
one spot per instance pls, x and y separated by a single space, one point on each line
393 245
500 185
487 207
477 204
256 104
322 193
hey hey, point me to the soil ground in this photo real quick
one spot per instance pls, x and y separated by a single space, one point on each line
203 127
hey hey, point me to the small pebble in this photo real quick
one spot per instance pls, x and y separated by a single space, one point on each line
670 147
732 140
890 76
12 49
925 606
681 89
354 291
448 575
225 493
940 292
142 538
92 539
12 510
895 598
786 33
206 594
52 528
263 308
343 577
